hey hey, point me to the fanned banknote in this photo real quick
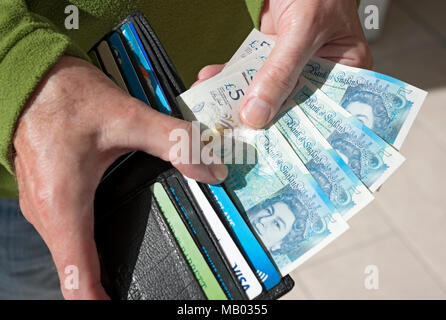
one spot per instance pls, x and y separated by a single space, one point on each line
254 42
369 146
345 190
317 164
384 104
216 102
284 204
340 184
250 65
371 158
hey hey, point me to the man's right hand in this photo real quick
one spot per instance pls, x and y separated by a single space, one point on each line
74 126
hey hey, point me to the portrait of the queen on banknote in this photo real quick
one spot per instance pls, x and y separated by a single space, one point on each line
369 108
283 221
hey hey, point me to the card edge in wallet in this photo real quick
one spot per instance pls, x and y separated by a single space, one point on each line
164 79
215 293
169 67
146 56
225 270
112 68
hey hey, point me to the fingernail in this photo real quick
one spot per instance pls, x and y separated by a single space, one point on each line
256 113
219 171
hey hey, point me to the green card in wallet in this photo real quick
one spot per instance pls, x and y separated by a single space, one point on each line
160 235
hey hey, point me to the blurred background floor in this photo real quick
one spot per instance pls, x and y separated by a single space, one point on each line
403 231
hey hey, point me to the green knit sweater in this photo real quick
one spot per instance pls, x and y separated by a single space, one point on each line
33 37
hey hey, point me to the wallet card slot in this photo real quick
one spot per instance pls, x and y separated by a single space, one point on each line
133 174
168 66
191 214
160 69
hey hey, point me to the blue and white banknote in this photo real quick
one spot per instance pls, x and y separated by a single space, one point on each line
345 190
250 65
384 104
283 202
318 163
216 102
286 206
254 42
370 157
369 174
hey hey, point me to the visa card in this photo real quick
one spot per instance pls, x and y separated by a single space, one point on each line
265 269
240 266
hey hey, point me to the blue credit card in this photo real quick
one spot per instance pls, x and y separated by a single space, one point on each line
119 52
145 66
265 269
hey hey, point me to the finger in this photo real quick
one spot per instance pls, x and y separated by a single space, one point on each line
210 71
168 138
278 76
351 52
197 82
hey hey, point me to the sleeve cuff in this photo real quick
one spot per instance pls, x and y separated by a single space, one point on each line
255 9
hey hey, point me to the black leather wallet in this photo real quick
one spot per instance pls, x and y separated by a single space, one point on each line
140 258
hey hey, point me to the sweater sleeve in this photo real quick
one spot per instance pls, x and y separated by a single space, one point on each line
29 46
254 9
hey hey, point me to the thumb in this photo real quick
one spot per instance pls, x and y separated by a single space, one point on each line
276 79
165 137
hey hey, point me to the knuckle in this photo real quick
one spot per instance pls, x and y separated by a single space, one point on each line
167 125
117 125
47 202
179 128
364 56
41 199
204 72
186 126
128 111
209 71
27 214
279 76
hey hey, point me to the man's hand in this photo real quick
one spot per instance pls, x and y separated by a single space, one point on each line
72 129
301 28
